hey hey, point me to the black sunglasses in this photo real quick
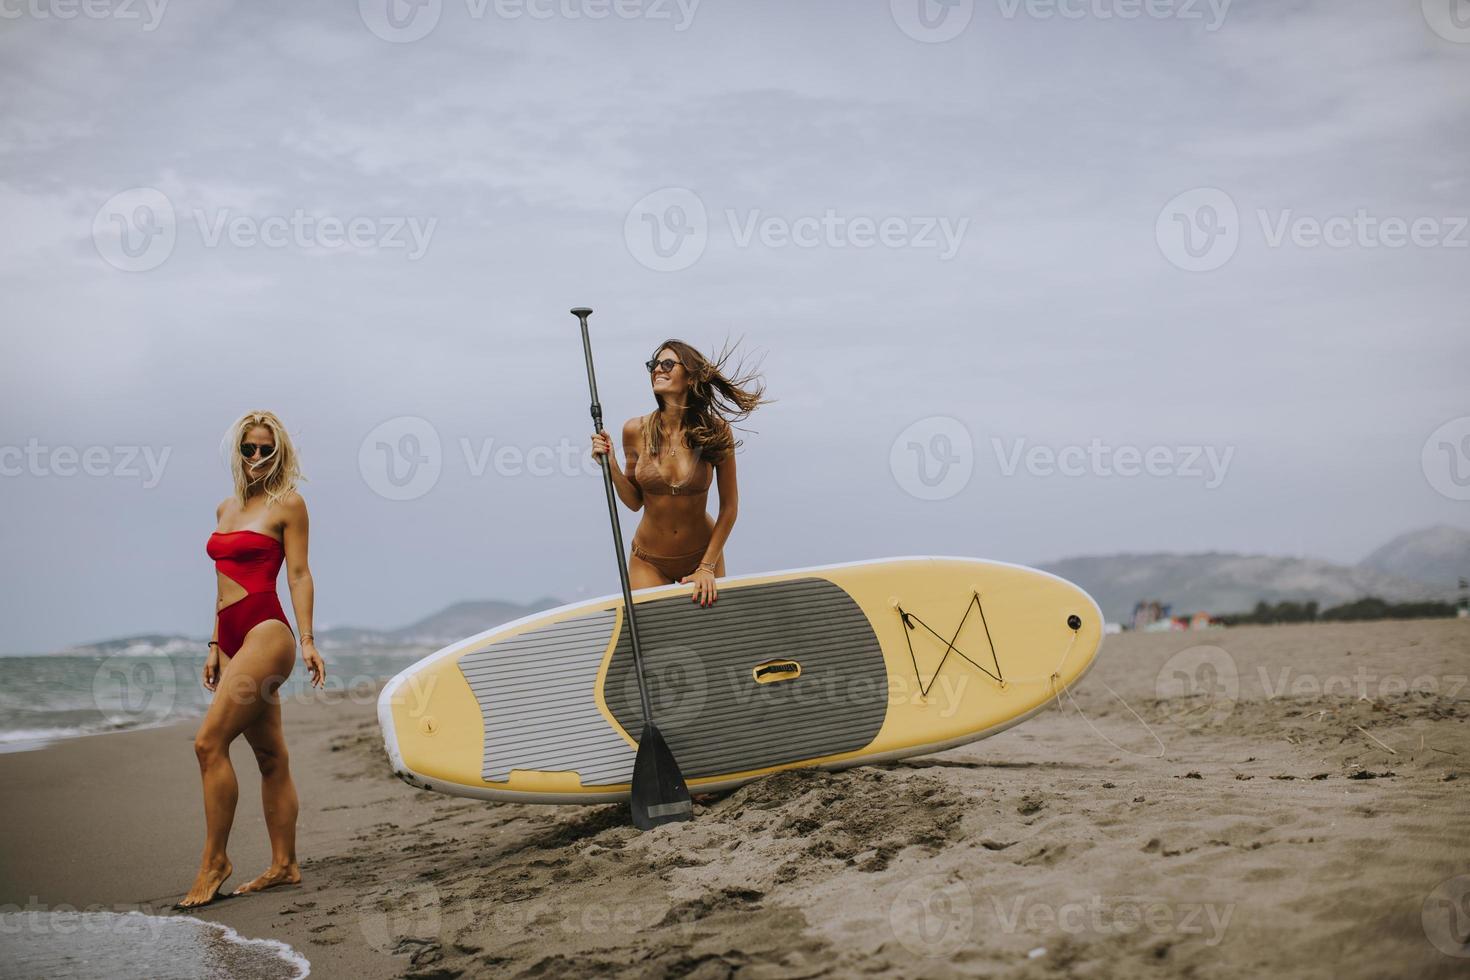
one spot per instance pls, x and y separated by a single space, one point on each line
667 364
247 449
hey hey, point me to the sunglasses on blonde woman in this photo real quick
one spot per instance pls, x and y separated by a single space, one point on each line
248 450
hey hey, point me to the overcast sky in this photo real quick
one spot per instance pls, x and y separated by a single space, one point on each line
1213 258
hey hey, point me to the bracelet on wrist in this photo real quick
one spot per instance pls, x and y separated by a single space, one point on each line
214 643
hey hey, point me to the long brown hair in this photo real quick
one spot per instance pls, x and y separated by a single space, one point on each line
718 396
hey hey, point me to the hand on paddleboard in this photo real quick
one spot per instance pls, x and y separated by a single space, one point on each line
704 585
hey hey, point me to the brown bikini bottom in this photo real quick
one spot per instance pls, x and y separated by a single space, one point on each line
672 567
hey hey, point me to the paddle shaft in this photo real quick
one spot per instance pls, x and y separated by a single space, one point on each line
582 313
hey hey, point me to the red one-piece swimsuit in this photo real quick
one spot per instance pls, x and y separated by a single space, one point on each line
252 560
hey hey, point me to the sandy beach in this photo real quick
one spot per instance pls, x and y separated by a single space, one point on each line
1307 818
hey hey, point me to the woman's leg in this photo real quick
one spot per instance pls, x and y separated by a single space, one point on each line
277 797
248 680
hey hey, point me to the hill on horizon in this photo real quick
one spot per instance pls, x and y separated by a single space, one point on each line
1217 582
1438 554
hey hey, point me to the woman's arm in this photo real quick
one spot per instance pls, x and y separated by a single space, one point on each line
703 577
622 476
212 661
295 532
729 507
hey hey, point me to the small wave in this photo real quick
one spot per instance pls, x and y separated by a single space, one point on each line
104 945
25 739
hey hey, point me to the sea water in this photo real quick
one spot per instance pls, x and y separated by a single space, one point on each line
51 697
107 945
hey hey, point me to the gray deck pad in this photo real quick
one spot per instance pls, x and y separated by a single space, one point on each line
537 691
714 715
537 694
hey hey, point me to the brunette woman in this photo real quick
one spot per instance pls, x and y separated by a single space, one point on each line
672 456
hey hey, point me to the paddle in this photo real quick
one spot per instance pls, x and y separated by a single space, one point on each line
659 795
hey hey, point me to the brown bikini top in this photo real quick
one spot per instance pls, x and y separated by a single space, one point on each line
651 480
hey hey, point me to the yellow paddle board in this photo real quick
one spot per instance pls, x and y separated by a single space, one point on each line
832 666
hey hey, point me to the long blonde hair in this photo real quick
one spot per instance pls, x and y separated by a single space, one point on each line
283 471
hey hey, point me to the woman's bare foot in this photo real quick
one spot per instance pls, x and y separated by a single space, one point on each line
288 874
206 885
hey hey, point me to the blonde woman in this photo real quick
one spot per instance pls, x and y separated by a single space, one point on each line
252 651
672 457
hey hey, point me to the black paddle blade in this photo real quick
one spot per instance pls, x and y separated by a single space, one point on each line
659 794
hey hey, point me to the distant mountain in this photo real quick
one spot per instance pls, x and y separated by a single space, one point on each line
464 619
1223 583
456 622
1440 555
